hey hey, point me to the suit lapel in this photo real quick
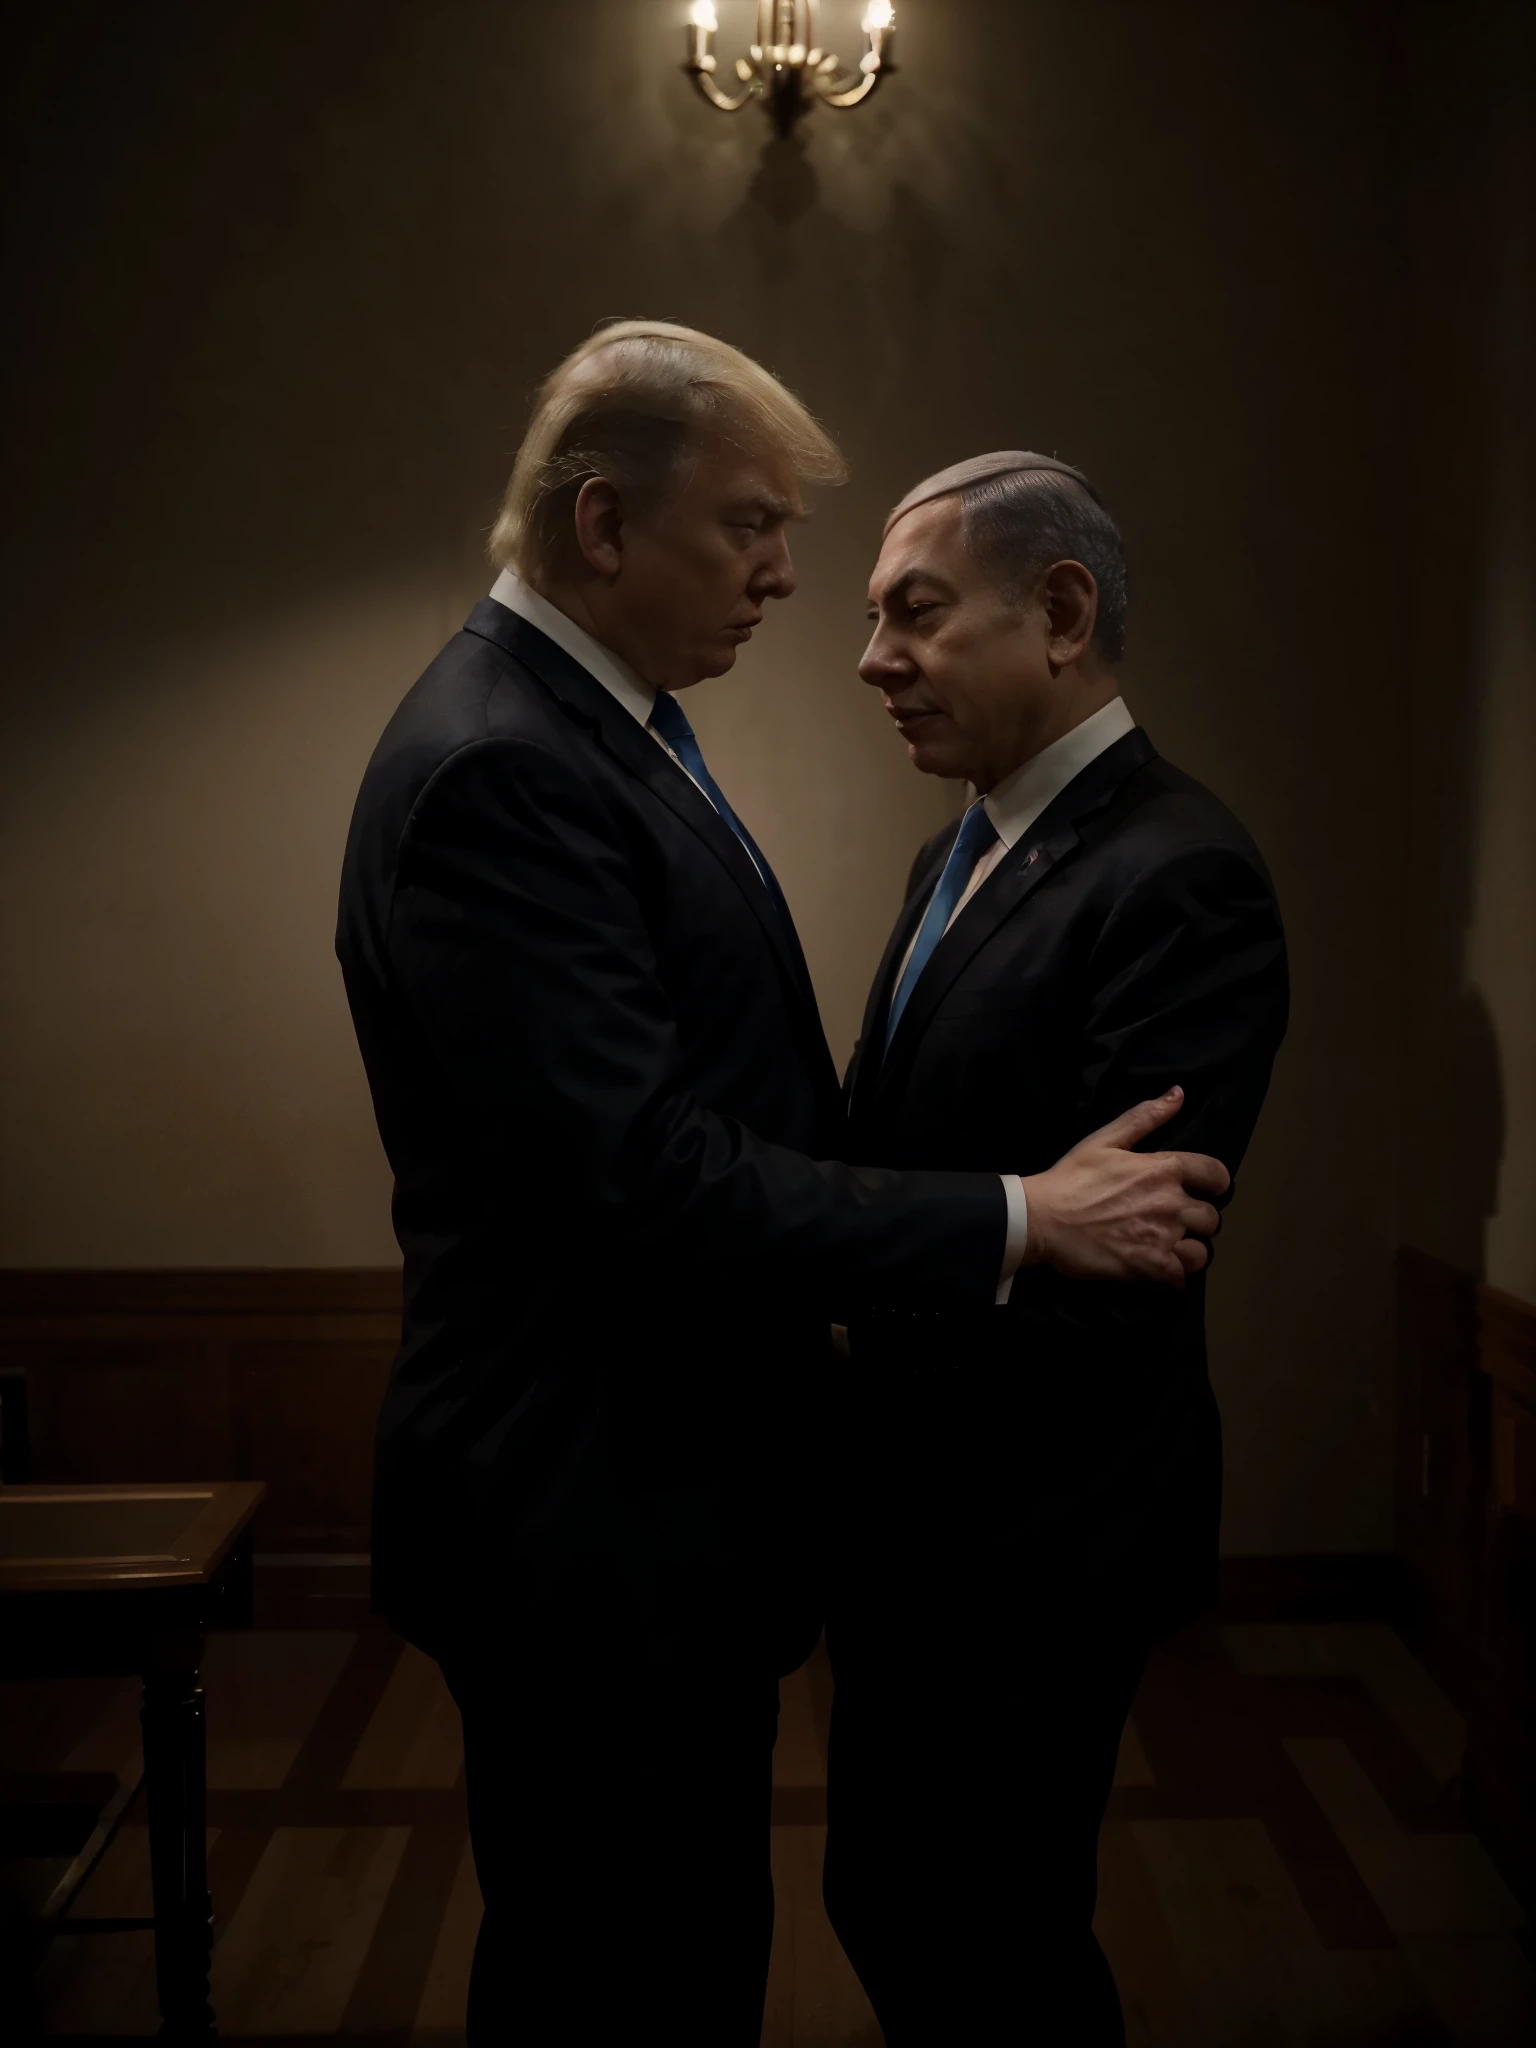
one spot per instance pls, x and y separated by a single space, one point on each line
869 1053
1053 838
633 747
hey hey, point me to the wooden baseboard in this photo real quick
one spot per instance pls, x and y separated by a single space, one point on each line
254 1374
1507 1354
1466 1520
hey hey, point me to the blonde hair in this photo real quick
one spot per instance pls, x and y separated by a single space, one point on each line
624 406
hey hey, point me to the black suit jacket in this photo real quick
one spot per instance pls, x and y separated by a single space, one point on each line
1128 941
602 1084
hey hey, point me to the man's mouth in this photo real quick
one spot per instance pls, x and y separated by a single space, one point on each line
909 717
741 629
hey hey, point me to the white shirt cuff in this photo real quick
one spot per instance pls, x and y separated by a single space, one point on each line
1018 1233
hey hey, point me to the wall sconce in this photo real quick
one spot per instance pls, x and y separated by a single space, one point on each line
785 68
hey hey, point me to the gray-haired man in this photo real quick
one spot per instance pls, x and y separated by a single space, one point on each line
1030 1493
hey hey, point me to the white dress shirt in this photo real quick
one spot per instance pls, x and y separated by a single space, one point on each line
639 700
600 662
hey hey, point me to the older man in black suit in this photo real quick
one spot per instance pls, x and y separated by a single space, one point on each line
602 1083
1029 1492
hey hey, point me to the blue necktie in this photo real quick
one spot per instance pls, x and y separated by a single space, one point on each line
976 834
670 720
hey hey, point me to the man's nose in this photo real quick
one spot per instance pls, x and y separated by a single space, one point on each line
881 665
775 576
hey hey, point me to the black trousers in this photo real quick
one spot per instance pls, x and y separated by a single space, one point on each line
968 1773
619 1818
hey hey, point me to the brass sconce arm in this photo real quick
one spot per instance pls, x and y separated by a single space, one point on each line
786 68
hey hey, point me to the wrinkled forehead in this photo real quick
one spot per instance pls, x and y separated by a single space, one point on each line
734 470
928 542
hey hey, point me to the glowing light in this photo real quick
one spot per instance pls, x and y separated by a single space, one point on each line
785 70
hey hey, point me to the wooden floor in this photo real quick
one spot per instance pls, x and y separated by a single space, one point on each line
1283 1861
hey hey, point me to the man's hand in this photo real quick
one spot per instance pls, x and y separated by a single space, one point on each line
1104 1212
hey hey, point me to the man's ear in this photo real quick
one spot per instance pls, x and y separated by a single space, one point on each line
600 526
1071 600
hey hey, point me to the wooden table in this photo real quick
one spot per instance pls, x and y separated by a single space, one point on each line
105 1579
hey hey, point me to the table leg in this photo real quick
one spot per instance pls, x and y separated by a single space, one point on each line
176 1790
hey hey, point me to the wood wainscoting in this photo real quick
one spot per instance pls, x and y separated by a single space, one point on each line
1501 1727
1466 1523
256 1374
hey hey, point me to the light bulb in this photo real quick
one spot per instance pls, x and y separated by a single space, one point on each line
702 14
878 14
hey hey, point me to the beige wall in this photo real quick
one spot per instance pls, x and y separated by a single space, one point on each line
288 288
1469 1127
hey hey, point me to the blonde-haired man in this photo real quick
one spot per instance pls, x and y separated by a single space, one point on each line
602 1084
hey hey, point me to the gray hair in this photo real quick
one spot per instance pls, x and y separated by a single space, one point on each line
1021 513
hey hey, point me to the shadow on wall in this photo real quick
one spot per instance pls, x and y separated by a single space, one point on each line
1467 443
785 187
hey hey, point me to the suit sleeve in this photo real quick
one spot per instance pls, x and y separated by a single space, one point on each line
1189 985
520 945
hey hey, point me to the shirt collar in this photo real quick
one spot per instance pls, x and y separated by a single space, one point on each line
1015 803
600 662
